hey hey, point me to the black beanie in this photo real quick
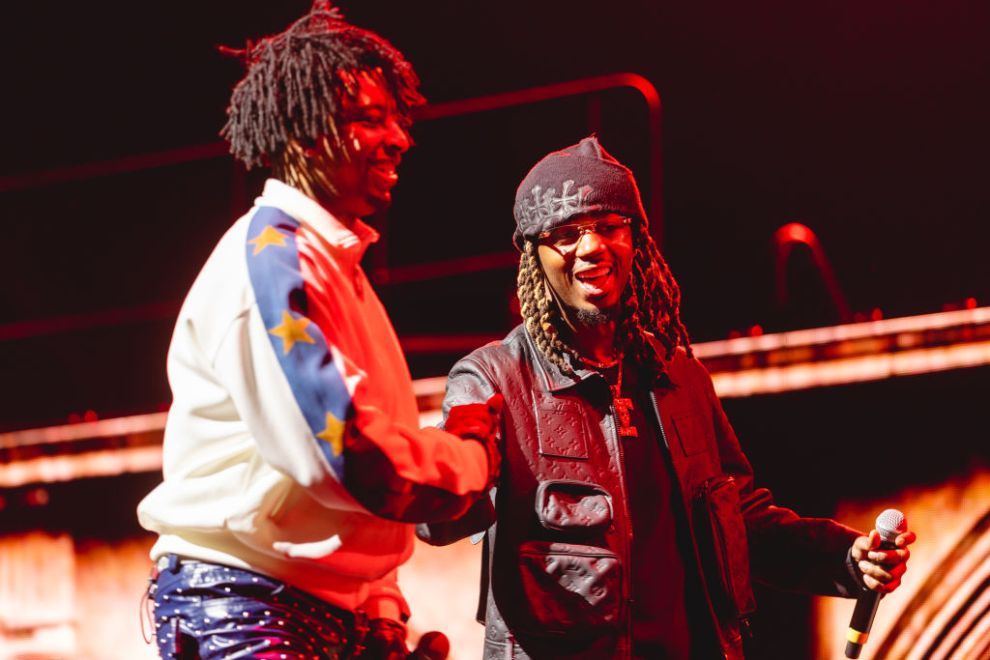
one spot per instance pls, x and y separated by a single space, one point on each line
583 178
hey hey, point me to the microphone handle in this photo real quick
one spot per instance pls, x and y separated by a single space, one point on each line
862 617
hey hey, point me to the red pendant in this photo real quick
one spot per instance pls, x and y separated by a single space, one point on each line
622 408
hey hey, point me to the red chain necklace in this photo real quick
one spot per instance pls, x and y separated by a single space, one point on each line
623 405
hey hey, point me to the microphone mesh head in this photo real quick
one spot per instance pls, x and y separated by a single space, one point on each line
890 523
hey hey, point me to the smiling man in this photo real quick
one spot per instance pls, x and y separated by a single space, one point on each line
625 522
293 459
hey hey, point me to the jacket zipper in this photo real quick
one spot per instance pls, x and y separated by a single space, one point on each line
656 411
627 555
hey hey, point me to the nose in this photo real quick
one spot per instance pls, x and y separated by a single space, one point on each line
589 242
397 137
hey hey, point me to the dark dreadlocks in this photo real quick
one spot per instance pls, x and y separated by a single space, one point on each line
650 307
292 88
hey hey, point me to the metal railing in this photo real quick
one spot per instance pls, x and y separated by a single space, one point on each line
382 275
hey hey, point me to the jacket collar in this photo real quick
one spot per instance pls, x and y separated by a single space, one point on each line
354 240
555 380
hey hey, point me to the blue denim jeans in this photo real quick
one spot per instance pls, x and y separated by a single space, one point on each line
205 610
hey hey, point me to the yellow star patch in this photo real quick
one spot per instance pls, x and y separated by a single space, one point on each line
268 236
292 331
333 434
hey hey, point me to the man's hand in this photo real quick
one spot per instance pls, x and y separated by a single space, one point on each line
386 640
479 421
881 570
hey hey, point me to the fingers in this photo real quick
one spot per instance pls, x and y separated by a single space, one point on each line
860 548
905 539
495 403
874 571
875 585
863 544
882 572
883 569
868 547
888 557
477 420
433 645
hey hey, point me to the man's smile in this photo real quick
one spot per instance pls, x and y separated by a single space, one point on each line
595 280
383 174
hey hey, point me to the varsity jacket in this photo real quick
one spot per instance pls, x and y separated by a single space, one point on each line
557 570
292 446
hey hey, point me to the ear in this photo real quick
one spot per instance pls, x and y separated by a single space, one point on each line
325 151
297 151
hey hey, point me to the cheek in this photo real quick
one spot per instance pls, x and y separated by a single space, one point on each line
359 142
558 283
627 268
625 261
351 142
553 268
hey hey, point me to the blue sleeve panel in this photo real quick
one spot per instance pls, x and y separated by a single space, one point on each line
298 343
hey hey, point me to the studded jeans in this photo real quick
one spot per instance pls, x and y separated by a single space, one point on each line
204 610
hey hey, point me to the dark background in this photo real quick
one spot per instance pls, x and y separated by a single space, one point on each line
867 121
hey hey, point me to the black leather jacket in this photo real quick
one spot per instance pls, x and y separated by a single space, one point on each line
558 570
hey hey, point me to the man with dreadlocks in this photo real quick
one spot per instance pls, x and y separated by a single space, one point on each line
293 461
620 521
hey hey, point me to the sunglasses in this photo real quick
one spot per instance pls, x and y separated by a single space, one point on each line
566 237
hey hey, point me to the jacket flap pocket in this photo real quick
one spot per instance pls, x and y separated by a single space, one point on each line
561 427
573 505
728 547
571 588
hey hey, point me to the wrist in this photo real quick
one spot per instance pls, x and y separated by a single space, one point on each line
853 568
494 458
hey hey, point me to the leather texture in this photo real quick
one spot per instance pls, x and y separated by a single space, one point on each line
558 556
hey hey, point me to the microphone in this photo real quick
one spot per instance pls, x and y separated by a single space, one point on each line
889 525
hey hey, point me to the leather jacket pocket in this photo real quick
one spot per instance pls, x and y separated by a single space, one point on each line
724 550
562 427
573 506
570 588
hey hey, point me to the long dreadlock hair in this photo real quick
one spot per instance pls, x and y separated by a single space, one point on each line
294 79
650 307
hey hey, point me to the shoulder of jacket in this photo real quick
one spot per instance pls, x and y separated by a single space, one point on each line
681 362
496 358
508 347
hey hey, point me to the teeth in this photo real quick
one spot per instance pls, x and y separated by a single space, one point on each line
386 171
593 273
